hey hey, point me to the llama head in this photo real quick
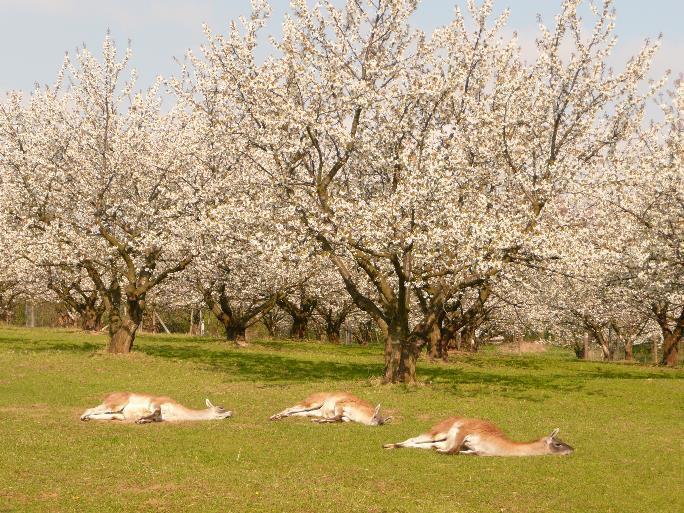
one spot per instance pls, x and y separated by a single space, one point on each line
218 412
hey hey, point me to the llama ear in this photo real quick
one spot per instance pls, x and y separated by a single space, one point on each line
209 405
377 410
554 433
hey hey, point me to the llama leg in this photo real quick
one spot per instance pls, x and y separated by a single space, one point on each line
453 443
155 416
331 412
298 410
101 408
111 415
424 441
330 420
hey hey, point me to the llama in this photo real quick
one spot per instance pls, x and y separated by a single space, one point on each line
335 407
145 408
458 435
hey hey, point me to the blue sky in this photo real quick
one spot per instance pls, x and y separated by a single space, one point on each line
34 34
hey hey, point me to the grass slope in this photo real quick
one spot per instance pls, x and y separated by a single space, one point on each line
625 422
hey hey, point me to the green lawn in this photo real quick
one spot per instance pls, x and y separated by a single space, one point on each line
626 423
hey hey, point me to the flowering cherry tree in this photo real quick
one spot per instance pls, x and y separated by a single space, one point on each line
12 278
423 167
238 279
93 175
644 201
247 258
72 287
446 184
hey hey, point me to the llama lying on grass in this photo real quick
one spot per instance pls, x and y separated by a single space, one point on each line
335 407
144 408
457 435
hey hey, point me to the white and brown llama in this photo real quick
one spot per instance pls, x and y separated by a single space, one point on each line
145 408
458 435
327 407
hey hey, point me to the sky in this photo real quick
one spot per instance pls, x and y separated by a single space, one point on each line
35 34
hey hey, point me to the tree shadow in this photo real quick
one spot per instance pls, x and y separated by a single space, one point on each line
73 347
12 340
256 366
528 386
76 347
240 365
523 377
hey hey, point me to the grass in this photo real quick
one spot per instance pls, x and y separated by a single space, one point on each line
625 422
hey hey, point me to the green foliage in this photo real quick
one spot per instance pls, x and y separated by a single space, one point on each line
625 422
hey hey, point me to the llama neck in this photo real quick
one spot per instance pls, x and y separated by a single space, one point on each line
533 448
183 413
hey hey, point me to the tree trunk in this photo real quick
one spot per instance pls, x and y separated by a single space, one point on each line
90 319
332 333
447 339
299 324
393 342
670 349
468 339
435 347
629 352
603 344
407 364
333 322
582 348
234 327
441 342
236 332
121 336
234 323
401 353
301 313
270 327
672 331
122 331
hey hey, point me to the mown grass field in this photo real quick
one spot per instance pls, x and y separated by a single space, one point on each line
626 423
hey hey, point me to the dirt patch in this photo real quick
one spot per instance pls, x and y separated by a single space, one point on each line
521 348
40 407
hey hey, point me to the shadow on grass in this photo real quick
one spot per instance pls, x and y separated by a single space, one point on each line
268 368
74 347
251 366
319 347
83 347
12 340
519 377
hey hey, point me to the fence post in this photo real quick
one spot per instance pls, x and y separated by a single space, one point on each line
30 314
162 323
586 345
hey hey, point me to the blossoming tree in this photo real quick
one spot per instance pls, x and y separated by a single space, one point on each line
92 172
423 167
